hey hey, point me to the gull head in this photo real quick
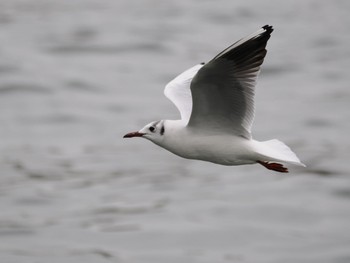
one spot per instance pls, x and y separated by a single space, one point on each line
153 131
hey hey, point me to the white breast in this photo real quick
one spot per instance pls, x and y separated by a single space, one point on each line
223 149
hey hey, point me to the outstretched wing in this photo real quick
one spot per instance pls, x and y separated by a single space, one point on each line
223 89
178 91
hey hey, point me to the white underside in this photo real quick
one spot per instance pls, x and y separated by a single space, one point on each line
225 149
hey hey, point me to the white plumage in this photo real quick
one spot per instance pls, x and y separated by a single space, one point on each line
216 104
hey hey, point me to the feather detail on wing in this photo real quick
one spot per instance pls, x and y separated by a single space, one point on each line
223 89
179 92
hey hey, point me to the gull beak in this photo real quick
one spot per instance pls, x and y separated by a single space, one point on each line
133 134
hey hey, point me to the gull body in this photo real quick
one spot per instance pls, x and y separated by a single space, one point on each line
216 103
189 143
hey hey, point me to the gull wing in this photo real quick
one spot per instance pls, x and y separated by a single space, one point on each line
178 91
223 89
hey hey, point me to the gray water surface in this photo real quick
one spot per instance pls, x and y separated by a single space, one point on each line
75 76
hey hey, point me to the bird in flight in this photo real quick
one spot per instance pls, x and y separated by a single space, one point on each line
216 104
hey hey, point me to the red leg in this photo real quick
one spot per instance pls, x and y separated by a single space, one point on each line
274 166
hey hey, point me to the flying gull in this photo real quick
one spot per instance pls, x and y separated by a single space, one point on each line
216 104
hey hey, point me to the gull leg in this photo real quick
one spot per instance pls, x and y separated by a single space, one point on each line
274 166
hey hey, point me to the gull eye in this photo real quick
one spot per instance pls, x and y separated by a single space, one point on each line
152 129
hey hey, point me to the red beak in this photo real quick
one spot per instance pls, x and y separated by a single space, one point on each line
133 134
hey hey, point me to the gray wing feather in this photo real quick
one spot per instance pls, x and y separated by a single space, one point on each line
223 89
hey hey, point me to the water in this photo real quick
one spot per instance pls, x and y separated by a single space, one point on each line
77 75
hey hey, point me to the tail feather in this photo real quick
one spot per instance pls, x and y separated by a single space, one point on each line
275 150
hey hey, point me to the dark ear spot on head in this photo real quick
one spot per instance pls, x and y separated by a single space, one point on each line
162 130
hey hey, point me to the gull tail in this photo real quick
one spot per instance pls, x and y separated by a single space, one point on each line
276 151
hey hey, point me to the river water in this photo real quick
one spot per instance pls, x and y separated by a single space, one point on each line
75 76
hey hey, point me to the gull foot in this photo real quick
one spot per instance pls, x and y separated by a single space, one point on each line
274 166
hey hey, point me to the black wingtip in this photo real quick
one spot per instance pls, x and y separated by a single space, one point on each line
269 29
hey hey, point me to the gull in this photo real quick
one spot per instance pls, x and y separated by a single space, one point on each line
216 104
